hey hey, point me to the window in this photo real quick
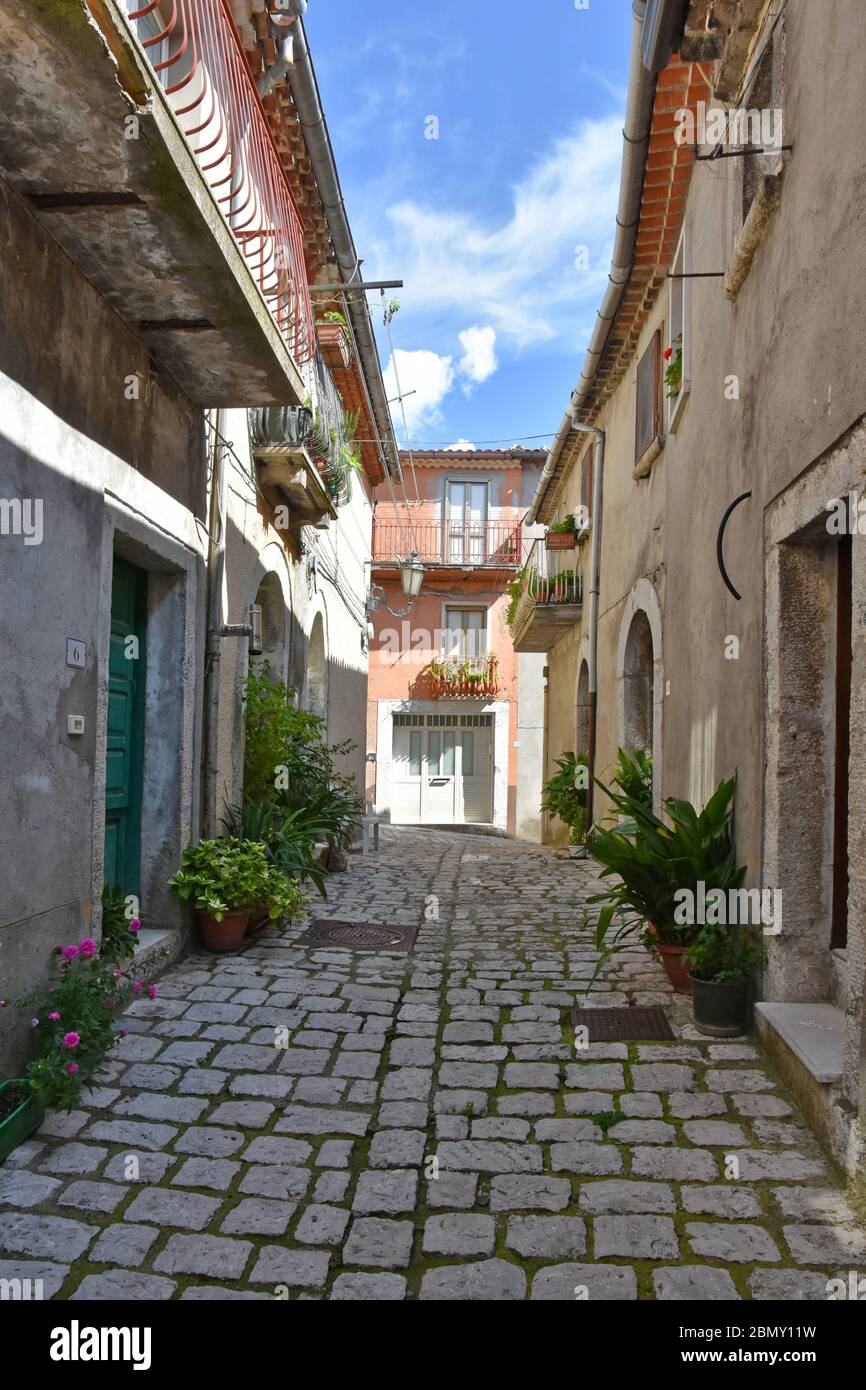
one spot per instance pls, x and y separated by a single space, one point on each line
648 423
679 332
466 632
466 518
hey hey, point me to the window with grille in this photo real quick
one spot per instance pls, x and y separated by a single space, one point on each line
648 422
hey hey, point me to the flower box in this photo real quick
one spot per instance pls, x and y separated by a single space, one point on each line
560 540
334 344
21 1122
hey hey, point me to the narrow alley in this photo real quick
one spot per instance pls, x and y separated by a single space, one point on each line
300 1121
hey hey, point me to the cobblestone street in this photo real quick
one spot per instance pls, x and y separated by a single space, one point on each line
211 1163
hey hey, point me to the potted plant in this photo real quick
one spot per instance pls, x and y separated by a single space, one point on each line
21 1112
653 866
333 333
227 880
634 775
565 796
563 535
720 964
674 370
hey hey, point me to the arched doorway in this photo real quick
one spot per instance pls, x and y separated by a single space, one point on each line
274 637
317 670
638 686
582 722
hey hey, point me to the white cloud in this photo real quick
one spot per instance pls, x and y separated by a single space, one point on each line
517 275
429 376
462 445
479 355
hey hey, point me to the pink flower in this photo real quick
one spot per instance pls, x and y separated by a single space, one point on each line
34 1023
151 991
2 1003
72 1068
124 1032
70 952
108 1003
136 987
134 925
117 974
87 947
55 1017
71 1039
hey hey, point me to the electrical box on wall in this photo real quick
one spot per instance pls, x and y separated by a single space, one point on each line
75 725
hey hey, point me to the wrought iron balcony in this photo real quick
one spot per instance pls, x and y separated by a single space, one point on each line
461 545
195 52
550 601
464 677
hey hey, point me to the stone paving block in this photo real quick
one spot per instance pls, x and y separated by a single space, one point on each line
331 1186
397 1148
385 1191
123 1244
247 1114
715 1133
694 1283
283 1182
123 1286
417 1052
209 1143
684 1105
471 1075
357 1064
322 1224
244 1057
165 1207
179 1109
518 1193
725 1079
53 1237
734 1244
639 1105
217 1257
335 1153
675 1165
460 1102
45 1277
489 1156
635 1237
813 1204
546 1237
591 1283
368 1288
595 1076
374 1241
500 1127
756 1164
585 1159
22 1189
527 1103
74 1158
788 1285
203 1081
738 1203
452 1190
302 1119
488 1281
132 1135
661 1076
218 1174
825 1245
277 1266
459 1233
92 1196
138 1167
259 1216
625 1197
528 1075
768 1106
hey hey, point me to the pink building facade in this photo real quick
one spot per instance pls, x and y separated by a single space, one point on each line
444 694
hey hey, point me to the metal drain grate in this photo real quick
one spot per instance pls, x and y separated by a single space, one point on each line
359 936
624 1024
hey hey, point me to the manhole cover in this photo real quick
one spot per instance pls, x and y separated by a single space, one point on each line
359 936
623 1024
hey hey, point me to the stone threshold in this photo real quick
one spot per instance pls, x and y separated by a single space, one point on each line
815 1034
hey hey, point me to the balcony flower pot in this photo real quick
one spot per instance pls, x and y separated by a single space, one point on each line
21 1113
334 344
720 1008
671 957
227 935
560 540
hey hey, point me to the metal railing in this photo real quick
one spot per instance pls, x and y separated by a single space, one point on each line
485 543
465 677
196 55
549 577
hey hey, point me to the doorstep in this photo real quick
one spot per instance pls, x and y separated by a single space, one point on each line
805 1041
155 948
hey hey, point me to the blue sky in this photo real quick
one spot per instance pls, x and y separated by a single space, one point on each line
486 222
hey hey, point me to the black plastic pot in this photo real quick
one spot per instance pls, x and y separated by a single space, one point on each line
720 1010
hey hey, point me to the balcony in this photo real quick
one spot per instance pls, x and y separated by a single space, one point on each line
464 678
550 601
449 544
135 132
278 439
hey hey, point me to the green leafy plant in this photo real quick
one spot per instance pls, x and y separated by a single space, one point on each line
565 794
120 928
334 316
564 527
220 876
722 953
674 371
74 1019
606 1119
634 775
649 862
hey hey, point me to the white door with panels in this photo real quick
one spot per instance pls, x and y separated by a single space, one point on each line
442 769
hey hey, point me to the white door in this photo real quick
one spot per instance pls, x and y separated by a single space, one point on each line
467 517
442 769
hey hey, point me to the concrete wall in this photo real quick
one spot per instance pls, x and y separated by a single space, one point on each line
113 475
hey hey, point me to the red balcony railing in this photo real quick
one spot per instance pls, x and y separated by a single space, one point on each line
464 677
490 543
196 53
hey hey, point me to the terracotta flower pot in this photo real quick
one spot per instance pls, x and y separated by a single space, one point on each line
258 918
227 935
675 967
560 540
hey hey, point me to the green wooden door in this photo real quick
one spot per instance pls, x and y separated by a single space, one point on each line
125 753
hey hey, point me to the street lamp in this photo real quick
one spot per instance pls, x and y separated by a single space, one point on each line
411 578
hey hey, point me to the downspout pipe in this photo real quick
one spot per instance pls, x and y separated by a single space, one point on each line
594 590
305 94
216 569
636 134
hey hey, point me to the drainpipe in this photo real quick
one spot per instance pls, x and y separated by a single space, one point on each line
594 589
305 94
216 568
